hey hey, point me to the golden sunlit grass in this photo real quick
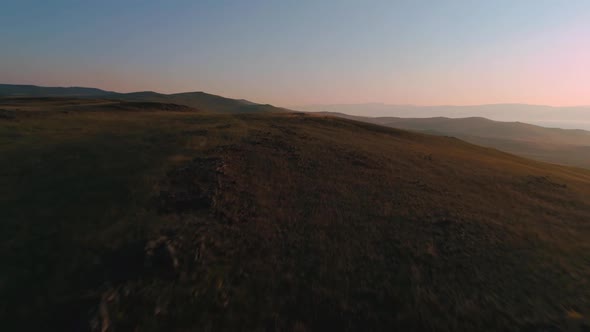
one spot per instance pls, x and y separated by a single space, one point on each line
572 314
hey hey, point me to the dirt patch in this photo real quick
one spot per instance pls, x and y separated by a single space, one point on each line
189 188
7 115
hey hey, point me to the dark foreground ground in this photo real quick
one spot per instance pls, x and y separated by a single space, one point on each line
148 217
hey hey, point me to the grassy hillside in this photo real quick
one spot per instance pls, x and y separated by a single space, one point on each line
560 146
165 220
200 100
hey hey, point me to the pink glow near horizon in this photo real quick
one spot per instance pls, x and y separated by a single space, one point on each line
459 53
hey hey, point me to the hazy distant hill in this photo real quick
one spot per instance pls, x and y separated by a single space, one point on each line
200 100
565 117
561 146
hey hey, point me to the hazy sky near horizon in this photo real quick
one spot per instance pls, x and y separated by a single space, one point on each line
296 52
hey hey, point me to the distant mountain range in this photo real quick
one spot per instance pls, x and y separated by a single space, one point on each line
564 117
561 146
199 100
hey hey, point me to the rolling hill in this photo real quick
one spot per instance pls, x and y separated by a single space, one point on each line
156 219
560 146
199 100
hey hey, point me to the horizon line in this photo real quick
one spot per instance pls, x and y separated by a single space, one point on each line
313 104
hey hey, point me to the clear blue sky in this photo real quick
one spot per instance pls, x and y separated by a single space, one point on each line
300 52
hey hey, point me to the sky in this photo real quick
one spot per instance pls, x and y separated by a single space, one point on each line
297 52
